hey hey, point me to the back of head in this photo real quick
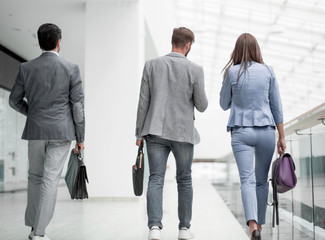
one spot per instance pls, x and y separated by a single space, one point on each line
246 50
182 36
48 35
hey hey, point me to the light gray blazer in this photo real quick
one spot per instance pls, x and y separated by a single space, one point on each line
255 101
170 89
55 100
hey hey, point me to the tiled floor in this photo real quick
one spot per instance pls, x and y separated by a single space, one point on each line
108 219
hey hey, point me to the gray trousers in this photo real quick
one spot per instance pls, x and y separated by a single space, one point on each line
46 161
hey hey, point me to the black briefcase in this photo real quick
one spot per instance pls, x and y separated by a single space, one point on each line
76 176
138 171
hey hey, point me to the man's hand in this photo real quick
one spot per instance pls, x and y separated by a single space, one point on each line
138 142
78 145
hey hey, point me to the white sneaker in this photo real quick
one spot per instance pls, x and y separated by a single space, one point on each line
185 233
31 235
154 233
40 238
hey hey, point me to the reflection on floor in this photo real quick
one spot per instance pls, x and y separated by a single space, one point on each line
9 186
287 230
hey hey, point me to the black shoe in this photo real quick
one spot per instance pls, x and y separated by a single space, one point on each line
256 235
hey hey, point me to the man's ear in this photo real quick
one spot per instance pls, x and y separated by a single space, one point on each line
188 46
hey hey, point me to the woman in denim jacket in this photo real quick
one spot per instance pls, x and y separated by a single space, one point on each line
251 91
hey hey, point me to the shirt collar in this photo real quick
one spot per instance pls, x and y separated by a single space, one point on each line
176 54
51 52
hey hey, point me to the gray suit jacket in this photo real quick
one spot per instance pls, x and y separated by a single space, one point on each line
171 87
54 106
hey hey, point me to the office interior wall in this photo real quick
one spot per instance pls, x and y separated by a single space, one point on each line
150 50
114 56
161 20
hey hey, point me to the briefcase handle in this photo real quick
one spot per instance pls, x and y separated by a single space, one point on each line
140 152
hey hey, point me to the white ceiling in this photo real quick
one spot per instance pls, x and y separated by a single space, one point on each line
19 21
291 34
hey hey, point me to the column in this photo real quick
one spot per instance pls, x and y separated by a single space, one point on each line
114 54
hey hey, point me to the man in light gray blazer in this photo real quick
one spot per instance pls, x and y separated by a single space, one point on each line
48 91
171 87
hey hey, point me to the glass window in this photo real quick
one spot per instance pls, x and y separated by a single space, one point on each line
13 150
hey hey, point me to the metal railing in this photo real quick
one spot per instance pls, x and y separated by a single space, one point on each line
306 137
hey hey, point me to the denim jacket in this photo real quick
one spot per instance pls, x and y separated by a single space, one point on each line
255 100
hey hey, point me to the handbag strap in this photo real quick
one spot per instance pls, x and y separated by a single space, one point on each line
275 203
275 218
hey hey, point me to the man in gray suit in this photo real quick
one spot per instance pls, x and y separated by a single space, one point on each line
55 116
170 89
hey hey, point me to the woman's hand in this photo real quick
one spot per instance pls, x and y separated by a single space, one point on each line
281 145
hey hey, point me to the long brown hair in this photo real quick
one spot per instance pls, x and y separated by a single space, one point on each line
245 51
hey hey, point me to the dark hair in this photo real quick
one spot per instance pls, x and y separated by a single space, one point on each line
182 36
48 35
245 51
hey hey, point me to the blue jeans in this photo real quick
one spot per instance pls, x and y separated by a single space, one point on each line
158 150
247 142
